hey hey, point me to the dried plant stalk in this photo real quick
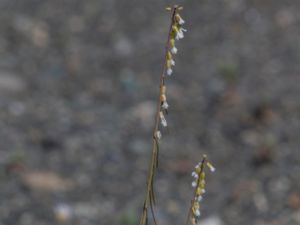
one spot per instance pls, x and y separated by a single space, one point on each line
175 33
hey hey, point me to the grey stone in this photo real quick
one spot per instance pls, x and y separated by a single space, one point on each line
213 220
11 83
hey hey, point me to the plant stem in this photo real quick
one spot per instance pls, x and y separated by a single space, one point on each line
153 162
193 200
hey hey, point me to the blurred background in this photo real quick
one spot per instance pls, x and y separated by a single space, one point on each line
78 85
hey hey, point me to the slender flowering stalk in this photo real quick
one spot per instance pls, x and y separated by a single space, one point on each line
175 33
199 185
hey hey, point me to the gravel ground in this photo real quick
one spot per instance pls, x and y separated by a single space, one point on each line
78 84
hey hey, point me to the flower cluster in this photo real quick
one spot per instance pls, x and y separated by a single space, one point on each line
176 33
199 185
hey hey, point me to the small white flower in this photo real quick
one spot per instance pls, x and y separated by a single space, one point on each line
197 213
203 191
181 21
172 62
199 199
158 134
165 105
169 71
174 50
163 119
183 30
198 165
179 35
211 167
195 175
194 184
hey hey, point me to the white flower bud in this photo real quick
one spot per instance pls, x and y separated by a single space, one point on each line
158 135
211 167
165 105
199 199
194 184
195 175
197 213
163 119
174 50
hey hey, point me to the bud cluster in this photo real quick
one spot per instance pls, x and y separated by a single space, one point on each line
176 33
199 185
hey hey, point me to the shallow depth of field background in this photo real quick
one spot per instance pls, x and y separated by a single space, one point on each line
78 85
